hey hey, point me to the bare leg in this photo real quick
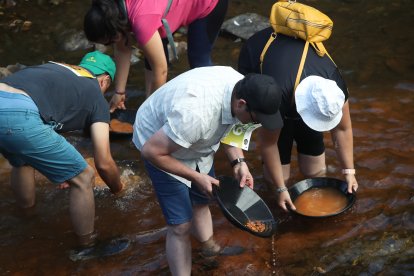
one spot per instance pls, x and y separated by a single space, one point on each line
23 186
82 205
202 225
312 166
286 173
178 247
202 229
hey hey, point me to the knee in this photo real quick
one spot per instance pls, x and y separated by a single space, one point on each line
86 178
320 173
180 230
89 175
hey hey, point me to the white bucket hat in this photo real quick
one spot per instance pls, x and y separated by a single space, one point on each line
319 102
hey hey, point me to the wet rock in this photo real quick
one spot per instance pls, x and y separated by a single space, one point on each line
26 25
100 47
181 48
15 67
319 270
15 25
73 40
56 2
7 3
245 25
10 69
4 72
134 59
405 86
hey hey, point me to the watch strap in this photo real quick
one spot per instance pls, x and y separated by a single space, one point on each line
237 161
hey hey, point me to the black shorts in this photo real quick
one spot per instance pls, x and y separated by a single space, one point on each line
308 141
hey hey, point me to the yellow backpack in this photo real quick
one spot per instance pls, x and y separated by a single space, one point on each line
298 20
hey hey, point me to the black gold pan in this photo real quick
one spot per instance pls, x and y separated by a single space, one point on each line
124 116
244 208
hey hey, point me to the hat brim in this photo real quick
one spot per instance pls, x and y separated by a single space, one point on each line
311 119
270 121
317 124
95 70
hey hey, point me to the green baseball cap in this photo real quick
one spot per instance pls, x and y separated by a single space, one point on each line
99 63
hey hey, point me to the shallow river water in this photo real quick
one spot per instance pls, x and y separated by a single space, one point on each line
372 43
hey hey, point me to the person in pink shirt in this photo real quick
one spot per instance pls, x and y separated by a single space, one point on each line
113 21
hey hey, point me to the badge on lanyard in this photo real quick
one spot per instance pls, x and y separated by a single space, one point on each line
239 135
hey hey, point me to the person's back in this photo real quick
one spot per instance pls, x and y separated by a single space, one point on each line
185 108
111 22
281 61
62 97
324 87
39 101
145 16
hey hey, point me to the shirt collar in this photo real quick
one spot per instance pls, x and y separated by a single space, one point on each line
226 116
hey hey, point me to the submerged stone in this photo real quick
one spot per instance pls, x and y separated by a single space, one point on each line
245 25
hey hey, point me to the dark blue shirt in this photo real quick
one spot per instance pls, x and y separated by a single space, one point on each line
75 102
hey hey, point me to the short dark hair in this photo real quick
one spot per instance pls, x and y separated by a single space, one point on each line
261 92
104 20
262 96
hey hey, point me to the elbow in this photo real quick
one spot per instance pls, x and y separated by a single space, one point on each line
146 153
160 77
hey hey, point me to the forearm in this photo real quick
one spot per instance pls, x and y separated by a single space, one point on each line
233 153
172 165
271 160
270 156
123 62
343 144
109 173
159 77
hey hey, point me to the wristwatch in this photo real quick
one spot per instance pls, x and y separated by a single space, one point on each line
237 161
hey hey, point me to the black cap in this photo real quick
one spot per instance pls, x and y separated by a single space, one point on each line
263 96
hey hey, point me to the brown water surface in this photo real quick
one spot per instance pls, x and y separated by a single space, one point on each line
372 43
320 202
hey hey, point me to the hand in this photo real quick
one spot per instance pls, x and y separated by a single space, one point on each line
117 102
205 183
63 185
242 173
118 189
285 202
352 183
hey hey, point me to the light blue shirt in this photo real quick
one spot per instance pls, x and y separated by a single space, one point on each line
194 110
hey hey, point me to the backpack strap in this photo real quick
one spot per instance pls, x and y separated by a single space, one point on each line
318 46
321 50
300 70
168 30
269 41
301 64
